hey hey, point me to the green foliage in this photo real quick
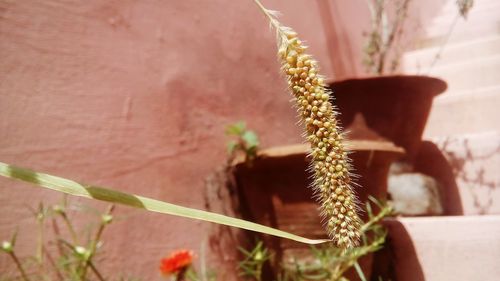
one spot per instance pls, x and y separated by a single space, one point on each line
251 265
236 129
328 262
70 258
245 141
114 196
192 275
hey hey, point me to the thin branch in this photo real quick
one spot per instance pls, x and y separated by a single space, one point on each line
19 266
93 244
438 54
53 264
96 272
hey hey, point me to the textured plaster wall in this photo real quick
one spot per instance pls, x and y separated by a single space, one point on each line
134 95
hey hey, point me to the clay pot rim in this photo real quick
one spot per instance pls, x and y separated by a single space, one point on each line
303 149
438 85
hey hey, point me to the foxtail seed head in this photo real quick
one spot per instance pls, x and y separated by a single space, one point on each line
332 181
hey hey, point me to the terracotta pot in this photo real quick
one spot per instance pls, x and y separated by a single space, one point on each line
274 190
395 107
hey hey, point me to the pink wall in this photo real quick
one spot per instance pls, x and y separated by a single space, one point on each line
136 94
133 95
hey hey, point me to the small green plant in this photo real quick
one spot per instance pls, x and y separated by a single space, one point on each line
331 263
8 248
251 266
60 258
327 262
245 142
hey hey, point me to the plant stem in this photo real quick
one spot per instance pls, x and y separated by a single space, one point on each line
67 221
51 261
93 243
336 273
96 272
445 42
383 213
59 244
259 272
74 272
396 26
71 229
39 250
272 20
19 266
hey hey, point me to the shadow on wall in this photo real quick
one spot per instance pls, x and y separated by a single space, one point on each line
473 169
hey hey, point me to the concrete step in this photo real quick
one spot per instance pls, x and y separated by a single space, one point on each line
450 8
487 16
467 95
480 8
474 32
483 20
470 75
465 112
445 248
419 61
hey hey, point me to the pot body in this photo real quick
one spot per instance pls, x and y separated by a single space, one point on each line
395 107
274 191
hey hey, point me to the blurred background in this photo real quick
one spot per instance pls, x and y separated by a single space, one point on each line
136 95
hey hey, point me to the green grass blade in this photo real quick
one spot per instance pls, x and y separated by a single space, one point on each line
114 196
359 271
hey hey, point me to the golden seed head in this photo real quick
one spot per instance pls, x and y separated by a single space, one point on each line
332 173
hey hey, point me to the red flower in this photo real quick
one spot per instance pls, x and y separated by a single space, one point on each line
176 262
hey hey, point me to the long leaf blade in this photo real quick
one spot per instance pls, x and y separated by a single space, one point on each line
109 195
359 271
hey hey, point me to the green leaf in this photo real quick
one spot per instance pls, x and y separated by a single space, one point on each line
13 239
231 146
236 129
114 196
359 271
250 139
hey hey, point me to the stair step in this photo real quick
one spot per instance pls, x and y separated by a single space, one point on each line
479 10
450 8
421 60
467 95
470 75
488 17
469 112
477 32
445 248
